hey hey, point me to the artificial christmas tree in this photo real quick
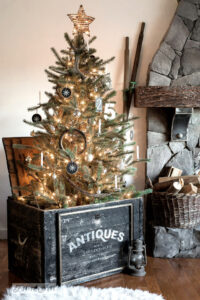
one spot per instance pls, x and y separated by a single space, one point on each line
82 154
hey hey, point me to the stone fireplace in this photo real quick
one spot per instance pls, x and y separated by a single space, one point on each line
175 68
176 63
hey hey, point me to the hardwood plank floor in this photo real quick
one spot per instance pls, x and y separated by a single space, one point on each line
175 279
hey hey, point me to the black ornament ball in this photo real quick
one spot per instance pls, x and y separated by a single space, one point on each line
36 118
72 168
66 92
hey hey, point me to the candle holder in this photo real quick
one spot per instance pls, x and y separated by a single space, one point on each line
137 258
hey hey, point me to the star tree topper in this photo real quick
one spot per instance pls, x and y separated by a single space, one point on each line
81 21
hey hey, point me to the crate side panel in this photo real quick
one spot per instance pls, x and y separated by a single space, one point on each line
25 241
94 242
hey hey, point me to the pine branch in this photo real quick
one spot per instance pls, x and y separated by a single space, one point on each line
92 40
58 70
58 56
69 41
50 74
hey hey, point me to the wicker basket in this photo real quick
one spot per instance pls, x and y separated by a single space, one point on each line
176 210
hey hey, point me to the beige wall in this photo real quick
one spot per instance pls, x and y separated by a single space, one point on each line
28 28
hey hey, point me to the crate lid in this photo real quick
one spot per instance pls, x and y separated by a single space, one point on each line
17 173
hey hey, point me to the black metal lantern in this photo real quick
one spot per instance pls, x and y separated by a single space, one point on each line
137 258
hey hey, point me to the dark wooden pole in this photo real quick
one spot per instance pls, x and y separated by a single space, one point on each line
126 75
135 67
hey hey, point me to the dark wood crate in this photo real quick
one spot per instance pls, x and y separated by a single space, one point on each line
72 245
63 245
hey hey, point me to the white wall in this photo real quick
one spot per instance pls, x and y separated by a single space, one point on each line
28 28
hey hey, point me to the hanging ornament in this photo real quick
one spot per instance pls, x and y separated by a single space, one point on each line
37 117
72 167
107 82
131 135
99 104
99 128
42 159
81 21
66 92
116 182
71 137
104 171
77 113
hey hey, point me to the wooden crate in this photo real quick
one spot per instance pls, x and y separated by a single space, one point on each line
72 245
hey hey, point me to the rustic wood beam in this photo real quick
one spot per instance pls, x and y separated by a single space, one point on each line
160 96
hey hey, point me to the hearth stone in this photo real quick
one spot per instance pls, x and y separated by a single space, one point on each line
176 146
156 138
175 68
177 34
193 136
189 80
184 161
190 61
158 156
156 79
167 50
161 63
192 44
187 10
158 120
176 242
196 31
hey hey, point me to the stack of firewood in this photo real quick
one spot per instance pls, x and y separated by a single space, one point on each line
174 183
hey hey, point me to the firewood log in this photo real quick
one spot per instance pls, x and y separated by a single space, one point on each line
195 179
174 172
189 189
163 186
176 186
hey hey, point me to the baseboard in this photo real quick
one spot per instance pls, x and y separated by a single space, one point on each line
3 234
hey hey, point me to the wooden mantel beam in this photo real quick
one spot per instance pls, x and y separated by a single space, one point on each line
161 96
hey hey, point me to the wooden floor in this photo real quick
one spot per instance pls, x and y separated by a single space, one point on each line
175 279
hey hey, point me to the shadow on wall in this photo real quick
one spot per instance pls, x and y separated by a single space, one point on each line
5 191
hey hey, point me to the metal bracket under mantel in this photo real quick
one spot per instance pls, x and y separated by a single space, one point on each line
180 124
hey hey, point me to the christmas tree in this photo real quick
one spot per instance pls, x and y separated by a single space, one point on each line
81 151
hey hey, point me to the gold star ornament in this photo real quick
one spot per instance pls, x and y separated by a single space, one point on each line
81 21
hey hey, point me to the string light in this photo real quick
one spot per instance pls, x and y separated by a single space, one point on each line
21 198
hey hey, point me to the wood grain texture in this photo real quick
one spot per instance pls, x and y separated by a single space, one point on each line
158 96
37 260
17 174
175 278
